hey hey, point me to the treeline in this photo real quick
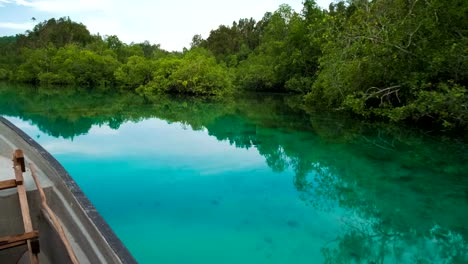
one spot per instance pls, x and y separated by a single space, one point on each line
62 52
403 60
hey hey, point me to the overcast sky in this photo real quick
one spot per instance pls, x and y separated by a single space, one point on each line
171 23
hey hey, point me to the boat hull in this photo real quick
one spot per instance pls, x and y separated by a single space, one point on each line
91 237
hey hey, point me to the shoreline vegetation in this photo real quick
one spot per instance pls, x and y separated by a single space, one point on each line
397 61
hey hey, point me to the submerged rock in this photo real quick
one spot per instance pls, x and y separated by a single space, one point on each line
292 223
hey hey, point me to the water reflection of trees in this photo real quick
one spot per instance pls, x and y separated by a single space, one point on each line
407 192
385 228
68 112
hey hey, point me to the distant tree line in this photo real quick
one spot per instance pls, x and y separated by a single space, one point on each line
398 60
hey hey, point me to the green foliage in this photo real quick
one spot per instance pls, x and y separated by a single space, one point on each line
299 84
89 68
237 40
287 56
398 60
35 62
4 74
445 106
137 71
59 33
122 50
69 65
8 56
257 73
196 72
403 60
150 50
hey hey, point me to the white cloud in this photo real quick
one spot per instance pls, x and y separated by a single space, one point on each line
3 2
105 26
102 130
64 146
57 6
21 26
21 124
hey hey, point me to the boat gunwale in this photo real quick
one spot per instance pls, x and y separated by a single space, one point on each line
106 231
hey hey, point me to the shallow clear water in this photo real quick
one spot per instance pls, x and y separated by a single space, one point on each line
253 180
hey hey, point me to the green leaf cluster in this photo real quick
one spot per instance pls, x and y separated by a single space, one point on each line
404 61
195 72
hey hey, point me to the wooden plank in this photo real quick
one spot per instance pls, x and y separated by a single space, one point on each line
18 175
7 184
55 221
25 210
18 238
19 159
23 201
15 244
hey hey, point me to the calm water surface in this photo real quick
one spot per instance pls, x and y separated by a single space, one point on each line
253 180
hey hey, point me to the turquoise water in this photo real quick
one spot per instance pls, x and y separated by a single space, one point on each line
253 180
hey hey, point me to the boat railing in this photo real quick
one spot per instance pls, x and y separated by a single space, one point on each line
30 237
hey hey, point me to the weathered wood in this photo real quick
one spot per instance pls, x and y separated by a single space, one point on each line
53 217
23 202
25 210
30 235
18 175
18 159
33 258
7 184
15 244
8 240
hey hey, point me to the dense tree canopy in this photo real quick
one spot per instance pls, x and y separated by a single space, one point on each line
403 61
196 72
58 32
